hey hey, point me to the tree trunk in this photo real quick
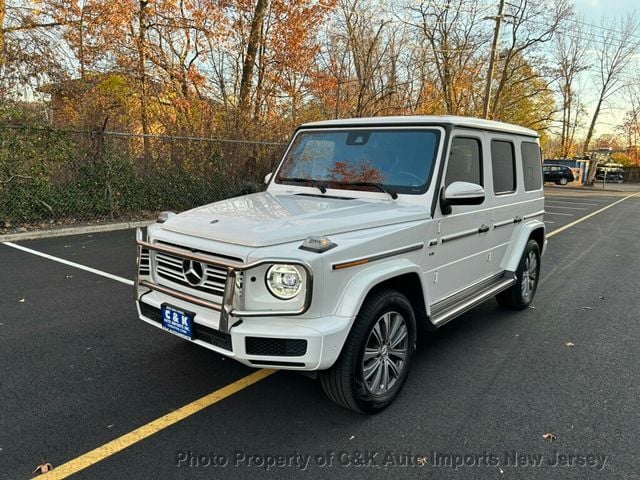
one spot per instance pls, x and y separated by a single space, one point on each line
142 59
587 140
250 58
592 126
81 47
3 9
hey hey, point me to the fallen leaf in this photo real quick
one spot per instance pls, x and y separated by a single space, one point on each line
587 308
352 437
549 436
68 276
569 344
422 461
601 297
21 300
110 426
43 468
532 307
501 471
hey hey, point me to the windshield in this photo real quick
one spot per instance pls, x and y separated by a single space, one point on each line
398 160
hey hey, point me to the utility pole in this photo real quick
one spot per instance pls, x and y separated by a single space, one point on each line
492 61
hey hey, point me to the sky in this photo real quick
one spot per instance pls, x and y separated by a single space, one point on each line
593 11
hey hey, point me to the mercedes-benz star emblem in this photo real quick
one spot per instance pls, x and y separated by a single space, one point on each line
193 271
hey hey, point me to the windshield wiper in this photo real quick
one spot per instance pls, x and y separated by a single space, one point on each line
309 181
375 185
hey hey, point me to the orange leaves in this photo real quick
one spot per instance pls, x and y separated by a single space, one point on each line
363 172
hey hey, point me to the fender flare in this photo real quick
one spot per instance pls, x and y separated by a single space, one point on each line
518 243
364 281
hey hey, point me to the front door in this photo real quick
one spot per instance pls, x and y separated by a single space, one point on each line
460 254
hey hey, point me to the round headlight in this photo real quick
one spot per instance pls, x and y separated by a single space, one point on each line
284 281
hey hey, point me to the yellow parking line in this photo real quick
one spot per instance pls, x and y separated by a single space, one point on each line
151 428
587 217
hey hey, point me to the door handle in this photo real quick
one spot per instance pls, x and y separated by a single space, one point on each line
517 219
483 229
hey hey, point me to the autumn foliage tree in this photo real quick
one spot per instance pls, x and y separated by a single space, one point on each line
255 68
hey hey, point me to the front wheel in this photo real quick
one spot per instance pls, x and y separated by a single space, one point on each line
521 294
564 181
376 357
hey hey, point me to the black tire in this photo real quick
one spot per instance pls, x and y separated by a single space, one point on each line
564 181
345 382
519 297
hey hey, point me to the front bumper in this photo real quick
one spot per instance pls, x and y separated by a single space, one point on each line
274 342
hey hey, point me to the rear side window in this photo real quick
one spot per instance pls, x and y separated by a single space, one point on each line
503 166
465 161
531 163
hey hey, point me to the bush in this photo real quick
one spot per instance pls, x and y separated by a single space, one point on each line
56 175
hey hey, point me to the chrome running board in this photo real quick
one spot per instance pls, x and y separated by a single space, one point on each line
461 302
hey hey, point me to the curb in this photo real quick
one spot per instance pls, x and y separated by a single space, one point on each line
61 232
583 188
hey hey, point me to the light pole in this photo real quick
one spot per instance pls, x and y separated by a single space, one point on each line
492 60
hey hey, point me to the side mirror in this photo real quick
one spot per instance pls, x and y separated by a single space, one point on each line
460 193
267 178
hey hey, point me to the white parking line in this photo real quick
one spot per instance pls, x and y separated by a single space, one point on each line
566 208
558 213
586 217
574 203
548 221
71 264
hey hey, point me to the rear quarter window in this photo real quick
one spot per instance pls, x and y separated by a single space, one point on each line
531 166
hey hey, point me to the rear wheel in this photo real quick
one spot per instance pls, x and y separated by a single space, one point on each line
376 357
521 294
564 181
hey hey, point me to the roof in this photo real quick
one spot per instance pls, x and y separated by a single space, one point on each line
415 120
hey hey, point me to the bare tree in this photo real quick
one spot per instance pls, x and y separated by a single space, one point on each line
617 44
368 46
528 25
570 55
455 37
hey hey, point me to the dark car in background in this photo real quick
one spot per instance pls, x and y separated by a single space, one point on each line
613 174
558 174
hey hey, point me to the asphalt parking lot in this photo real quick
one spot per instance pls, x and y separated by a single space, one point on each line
79 371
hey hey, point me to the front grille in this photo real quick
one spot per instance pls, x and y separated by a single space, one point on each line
275 347
144 262
170 267
200 332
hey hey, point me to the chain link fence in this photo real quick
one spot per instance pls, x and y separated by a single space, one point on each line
51 177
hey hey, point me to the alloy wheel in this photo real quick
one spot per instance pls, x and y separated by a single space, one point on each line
385 353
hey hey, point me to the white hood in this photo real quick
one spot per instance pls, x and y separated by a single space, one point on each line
264 219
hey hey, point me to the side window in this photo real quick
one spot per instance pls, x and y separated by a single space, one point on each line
465 161
531 163
503 166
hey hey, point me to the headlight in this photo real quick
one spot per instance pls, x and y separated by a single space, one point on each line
284 281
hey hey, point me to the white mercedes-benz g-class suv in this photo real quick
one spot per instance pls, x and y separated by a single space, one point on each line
369 230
